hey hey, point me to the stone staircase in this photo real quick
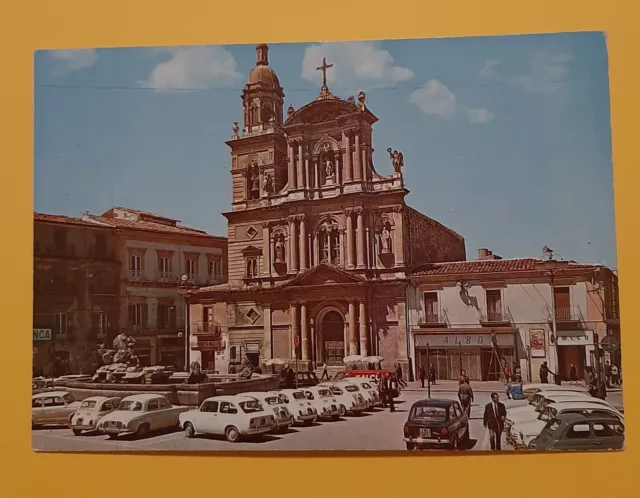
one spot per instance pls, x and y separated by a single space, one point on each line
331 369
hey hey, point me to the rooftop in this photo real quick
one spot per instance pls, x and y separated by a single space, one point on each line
494 266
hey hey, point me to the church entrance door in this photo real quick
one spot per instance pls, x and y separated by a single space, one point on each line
333 338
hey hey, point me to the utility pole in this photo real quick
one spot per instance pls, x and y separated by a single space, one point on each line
428 373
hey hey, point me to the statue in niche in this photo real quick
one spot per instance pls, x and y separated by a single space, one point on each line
385 239
268 185
279 249
255 183
329 169
397 160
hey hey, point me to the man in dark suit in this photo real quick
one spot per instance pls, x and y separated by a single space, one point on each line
495 414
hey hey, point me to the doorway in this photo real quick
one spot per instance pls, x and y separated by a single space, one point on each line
333 338
568 355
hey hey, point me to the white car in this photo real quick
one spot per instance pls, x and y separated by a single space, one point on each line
527 432
140 414
233 417
91 412
530 390
300 407
530 412
52 408
350 402
371 392
271 401
324 402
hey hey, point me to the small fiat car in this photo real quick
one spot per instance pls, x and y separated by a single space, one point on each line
324 402
271 401
52 408
300 407
91 412
436 422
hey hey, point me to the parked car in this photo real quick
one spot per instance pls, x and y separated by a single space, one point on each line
324 402
52 408
538 402
91 411
530 390
283 419
581 432
436 422
523 434
299 406
368 388
302 379
140 414
233 417
350 402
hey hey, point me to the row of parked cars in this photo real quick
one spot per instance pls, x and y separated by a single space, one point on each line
561 418
246 415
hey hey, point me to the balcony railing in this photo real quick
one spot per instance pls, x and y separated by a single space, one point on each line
138 276
202 328
568 314
492 315
433 319
166 277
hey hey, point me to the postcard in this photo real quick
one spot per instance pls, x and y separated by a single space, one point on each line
376 245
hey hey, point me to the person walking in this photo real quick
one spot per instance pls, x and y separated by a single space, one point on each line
422 373
515 390
392 386
614 374
325 371
465 395
544 373
607 373
432 375
463 373
573 375
495 414
507 373
382 387
401 382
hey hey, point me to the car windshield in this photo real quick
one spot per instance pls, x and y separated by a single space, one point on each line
366 386
552 426
88 404
536 399
131 406
336 390
298 395
547 414
351 389
273 400
68 398
324 392
431 413
309 395
250 406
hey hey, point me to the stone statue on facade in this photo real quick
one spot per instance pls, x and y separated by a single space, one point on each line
385 239
236 129
397 160
268 185
329 169
279 250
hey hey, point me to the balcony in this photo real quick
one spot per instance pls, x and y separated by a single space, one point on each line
433 319
568 314
206 328
495 317
137 276
167 277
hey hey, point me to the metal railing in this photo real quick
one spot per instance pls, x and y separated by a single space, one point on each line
492 315
206 328
433 318
568 314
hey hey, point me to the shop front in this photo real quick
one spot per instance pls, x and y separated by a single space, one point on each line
575 347
171 351
208 346
144 350
472 351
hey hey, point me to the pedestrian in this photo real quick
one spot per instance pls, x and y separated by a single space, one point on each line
607 373
325 371
614 374
393 387
495 414
507 373
465 395
517 372
515 390
573 374
593 384
544 373
432 375
382 387
463 373
422 374
401 382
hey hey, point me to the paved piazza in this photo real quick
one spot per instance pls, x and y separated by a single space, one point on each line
379 430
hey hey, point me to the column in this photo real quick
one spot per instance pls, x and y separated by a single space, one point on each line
342 255
307 183
310 250
291 167
316 173
360 240
303 245
368 248
353 344
363 329
363 163
316 249
328 246
346 143
293 241
304 343
268 353
266 250
349 245
358 157
272 252
314 343
398 246
293 312
300 167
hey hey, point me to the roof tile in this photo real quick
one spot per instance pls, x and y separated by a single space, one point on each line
489 266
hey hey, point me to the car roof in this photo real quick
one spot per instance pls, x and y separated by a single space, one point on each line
587 405
50 393
142 397
568 396
442 403
97 399
582 417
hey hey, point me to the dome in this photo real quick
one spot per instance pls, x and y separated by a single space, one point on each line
263 75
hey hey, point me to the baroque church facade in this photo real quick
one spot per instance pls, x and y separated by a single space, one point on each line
319 243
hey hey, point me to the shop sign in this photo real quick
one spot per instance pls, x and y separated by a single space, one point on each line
581 338
463 340
41 334
171 349
210 345
537 343
254 347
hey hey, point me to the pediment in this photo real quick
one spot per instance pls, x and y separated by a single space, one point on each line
251 251
325 274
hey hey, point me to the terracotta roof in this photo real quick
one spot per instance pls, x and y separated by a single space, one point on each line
492 266
149 226
64 220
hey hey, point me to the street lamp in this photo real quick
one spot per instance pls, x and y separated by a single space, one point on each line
184 289
549 266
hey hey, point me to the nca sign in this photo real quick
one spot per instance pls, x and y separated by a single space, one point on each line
41 334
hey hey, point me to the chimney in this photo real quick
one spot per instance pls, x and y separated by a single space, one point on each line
483 253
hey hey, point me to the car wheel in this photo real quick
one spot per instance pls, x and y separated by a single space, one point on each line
411 446
112 436
77 432
308 422
232 434
343 411
142 431
189 430
335 417
258 437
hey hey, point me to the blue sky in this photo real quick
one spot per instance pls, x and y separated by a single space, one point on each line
506 139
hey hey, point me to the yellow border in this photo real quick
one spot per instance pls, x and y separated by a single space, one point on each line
30 25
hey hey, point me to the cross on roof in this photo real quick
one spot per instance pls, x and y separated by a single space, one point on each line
324 68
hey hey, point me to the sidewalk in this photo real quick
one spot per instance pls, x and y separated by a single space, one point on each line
478 386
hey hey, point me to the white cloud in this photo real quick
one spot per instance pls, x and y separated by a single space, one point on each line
356 66
193 68
436 99
72 60
546 72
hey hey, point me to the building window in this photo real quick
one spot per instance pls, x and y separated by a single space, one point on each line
99 323
60 241
62 325
215 269
253 181
494 305
164 265
166 319
251 267
191 267
431 314
562 301
137 315
135 265
329 245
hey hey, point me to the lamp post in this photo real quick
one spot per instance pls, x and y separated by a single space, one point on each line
549 266
184 289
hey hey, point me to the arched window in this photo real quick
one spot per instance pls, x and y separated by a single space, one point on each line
253 181
267 112
329 243
251 267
